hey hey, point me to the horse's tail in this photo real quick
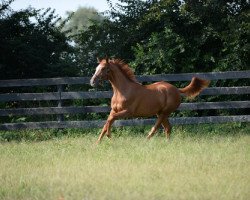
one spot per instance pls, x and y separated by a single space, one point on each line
195 87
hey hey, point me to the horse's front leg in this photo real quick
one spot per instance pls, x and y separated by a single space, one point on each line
104 130
109 123
112 117
106 127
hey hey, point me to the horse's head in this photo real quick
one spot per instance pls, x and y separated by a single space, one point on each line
101 72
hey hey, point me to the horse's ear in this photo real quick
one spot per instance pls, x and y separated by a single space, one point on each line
98 60
107 59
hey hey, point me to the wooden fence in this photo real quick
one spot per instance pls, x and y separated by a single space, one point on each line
60 95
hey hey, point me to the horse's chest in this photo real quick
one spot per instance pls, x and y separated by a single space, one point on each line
118 103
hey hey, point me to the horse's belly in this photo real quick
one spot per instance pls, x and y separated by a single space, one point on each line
148 107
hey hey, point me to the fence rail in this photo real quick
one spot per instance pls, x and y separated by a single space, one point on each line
119 123
105 109
142 78
104 94
59 96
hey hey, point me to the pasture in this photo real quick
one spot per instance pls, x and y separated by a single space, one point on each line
200 162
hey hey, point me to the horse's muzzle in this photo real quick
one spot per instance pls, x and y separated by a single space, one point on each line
94 81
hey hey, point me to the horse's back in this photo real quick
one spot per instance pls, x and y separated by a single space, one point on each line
155 98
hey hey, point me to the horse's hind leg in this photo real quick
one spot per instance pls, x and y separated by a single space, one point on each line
156 126
167 127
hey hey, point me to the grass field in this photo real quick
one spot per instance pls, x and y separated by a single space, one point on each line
200 162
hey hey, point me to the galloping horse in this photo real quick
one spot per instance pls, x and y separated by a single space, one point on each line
131 99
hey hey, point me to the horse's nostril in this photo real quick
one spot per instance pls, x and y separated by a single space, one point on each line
94 81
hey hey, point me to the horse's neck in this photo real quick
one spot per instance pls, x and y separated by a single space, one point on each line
119 81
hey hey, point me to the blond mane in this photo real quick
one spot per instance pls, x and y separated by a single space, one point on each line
126 70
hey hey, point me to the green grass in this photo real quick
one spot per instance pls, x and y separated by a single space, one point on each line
200 162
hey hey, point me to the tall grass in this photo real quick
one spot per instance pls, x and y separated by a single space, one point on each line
201 162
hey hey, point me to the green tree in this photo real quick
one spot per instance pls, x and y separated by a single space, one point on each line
81 19
32 44
207 35
172 36
115 36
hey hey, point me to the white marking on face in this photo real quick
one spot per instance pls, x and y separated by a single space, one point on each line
98 68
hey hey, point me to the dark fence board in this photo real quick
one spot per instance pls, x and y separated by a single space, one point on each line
215 105
188 76
54 110
226 90
118 123
87 95
44 82
142 78
29 96
106 94
106 109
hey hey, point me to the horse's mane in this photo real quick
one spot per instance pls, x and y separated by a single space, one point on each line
126 70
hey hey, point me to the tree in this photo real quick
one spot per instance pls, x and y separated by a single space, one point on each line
206 35
114 36
32 45
82 19
172 36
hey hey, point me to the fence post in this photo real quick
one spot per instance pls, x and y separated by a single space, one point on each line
60 117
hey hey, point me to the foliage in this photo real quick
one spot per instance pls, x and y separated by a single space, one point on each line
154 36
203 36
166 36
81 19
32 45
113 37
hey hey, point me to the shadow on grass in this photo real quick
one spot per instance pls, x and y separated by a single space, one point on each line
180 131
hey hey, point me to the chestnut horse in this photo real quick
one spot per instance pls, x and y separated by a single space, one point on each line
131 99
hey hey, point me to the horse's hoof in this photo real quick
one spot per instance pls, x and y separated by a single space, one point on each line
97 142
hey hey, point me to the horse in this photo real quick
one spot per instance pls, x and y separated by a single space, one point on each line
132 99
